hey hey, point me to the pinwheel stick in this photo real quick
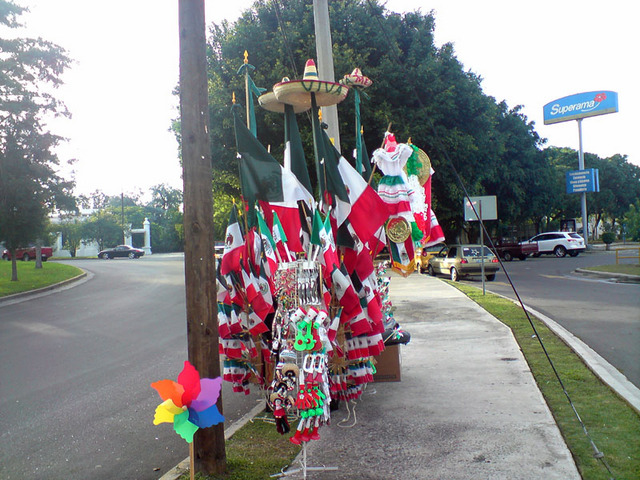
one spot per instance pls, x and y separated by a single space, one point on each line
192 462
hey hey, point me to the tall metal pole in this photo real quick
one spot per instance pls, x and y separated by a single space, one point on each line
484 290
325 64
199 261
583 197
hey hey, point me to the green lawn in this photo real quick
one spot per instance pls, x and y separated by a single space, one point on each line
613 425
629 269
30 278
255 452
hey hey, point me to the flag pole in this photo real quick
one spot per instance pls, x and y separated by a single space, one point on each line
246 87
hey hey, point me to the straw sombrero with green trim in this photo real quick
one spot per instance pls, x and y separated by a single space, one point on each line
356 79
268 101
298 92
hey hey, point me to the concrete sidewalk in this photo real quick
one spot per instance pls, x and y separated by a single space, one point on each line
467 406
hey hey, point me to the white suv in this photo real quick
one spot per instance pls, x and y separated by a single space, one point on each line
558 243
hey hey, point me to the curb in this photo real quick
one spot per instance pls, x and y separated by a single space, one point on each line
18 297
183 466
620 276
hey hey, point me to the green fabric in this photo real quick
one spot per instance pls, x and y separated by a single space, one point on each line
277 225
416 233
245 68
413 163
363 165
329 178
260 173
298 160
318 224
264 229
391 180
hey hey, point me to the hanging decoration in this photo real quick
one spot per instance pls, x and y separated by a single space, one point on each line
303 310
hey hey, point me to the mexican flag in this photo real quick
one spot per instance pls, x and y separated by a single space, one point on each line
233 244
358 258
255 295
321 236
268 244
333 192
368 211
403 257
263 179
280 238
436 235
294 158
347 296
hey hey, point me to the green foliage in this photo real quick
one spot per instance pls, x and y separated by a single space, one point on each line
608 237
121 212
631 221
423 90
72 231
104 228
29 183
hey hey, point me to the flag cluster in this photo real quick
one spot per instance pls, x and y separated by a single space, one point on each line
300 308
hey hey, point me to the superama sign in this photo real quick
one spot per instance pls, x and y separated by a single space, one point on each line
580 105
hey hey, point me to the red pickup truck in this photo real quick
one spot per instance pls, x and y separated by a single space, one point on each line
508 249
28 253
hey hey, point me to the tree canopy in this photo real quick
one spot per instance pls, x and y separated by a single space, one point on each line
423 90
30 187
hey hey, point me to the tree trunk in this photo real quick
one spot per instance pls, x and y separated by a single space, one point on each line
38 254
14 267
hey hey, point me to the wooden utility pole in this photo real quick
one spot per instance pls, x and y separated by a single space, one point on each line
199 261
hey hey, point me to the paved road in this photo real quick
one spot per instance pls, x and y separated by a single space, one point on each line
75 369
604 314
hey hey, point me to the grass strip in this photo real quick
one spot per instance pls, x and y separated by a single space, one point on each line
613 425
254 452
628 269
30 278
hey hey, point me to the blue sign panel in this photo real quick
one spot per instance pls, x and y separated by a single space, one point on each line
581 181
580 105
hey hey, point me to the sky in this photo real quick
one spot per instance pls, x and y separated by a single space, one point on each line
125 52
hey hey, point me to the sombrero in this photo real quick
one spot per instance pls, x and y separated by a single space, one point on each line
356 79
268 101
298 92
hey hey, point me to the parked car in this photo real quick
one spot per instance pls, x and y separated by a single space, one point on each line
425 254
28 253
458 261
508 249
558 244
121 251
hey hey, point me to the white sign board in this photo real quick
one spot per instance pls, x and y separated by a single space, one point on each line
486 207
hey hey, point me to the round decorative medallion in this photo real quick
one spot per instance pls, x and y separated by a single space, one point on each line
398 230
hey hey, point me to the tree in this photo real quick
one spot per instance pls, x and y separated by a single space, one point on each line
631 221
29 184
104 228
72 231
424 90
165 197
619 187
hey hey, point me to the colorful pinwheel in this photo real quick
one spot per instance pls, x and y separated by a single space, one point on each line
189 403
